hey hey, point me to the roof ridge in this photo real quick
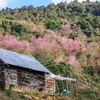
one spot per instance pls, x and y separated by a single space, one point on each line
16 52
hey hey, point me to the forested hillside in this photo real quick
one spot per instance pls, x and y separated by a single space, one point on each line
65 38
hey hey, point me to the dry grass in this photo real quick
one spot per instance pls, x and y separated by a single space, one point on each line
11 95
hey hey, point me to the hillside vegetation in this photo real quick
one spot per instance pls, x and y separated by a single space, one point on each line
65 38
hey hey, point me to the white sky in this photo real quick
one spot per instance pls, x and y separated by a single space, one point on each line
5 3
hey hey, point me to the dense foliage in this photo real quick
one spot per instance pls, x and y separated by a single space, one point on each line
63 37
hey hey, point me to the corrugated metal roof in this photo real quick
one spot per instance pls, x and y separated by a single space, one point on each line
58 77
16 59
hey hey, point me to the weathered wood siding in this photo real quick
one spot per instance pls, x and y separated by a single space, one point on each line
11 76
28 79
24 78
2 76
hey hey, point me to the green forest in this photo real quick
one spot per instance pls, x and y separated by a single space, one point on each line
65 38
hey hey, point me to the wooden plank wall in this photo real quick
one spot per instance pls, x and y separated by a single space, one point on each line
2 76
11 76
24 78
31 79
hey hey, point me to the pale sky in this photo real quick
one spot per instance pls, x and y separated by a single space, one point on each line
20 3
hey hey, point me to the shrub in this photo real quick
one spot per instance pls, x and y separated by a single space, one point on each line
53 25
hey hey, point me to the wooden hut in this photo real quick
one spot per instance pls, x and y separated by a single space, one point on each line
23 72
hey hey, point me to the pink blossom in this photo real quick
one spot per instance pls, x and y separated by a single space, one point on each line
66 27
59 59
73 61
70 45
11 42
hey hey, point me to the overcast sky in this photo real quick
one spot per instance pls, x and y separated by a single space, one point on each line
20 3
